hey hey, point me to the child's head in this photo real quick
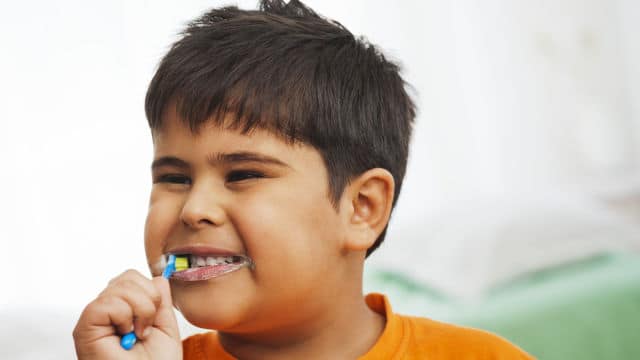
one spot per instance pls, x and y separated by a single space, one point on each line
268 125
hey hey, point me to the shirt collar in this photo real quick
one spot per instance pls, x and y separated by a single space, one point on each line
394 337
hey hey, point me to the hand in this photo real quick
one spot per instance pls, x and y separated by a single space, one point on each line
130 302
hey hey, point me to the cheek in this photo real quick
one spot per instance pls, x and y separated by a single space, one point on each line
290 231
161 219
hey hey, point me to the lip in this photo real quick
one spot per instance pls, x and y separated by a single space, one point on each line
211 271
208 272
202 250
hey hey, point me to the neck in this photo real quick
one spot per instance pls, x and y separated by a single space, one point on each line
346 331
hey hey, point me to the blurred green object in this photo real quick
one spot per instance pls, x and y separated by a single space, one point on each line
584 310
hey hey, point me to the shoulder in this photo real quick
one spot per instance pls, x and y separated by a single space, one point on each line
203 346
194 346
452 341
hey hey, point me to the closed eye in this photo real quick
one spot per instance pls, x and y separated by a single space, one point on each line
172 179
241 175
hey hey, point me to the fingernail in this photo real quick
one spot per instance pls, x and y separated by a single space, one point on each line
146 332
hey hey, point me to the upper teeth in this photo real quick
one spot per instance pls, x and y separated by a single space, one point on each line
196 261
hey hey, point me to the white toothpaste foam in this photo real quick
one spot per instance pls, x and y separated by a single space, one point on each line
158 267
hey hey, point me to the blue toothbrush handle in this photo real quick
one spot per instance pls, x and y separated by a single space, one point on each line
129 339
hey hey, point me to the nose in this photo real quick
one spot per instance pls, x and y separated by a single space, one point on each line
202 208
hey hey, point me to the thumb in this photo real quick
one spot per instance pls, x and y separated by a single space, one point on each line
166 317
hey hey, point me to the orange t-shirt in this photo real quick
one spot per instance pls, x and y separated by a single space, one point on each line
403 337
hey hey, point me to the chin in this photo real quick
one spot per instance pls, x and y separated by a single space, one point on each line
209 321
213 316
209 309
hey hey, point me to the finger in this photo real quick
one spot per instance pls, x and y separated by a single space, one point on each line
142 281
96 321
143 319
100 321
142 305
166 317
117 311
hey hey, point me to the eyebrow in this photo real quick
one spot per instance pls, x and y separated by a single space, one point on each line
169 161
220 158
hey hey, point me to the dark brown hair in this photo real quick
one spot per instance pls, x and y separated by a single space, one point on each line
288 70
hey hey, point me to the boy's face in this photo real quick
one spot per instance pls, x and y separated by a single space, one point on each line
253 195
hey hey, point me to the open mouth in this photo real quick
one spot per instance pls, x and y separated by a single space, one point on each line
191 267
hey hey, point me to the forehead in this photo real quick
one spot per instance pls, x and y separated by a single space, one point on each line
176 138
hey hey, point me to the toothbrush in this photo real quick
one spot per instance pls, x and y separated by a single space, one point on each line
129 339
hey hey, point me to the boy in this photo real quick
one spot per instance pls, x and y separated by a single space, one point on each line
280 143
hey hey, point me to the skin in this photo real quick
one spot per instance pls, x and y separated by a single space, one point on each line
304 297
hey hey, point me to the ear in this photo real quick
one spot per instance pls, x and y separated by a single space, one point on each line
367 203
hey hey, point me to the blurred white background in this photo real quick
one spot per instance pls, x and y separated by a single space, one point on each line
517 100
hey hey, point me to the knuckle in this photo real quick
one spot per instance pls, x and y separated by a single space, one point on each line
130 273
146 310
127 274
156 297
103 302
96 304
128 284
